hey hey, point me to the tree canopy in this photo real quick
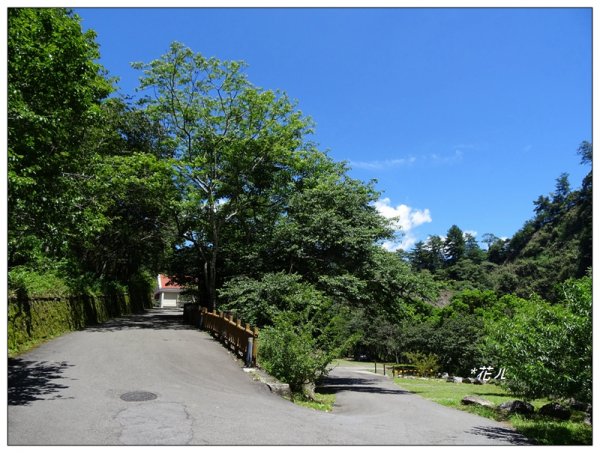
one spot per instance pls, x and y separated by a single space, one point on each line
55 88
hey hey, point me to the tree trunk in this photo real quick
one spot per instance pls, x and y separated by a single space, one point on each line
212 283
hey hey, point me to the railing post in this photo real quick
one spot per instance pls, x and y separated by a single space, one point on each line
201 317
249 352
255 344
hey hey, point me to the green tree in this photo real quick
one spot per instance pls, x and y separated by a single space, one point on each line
552 247
330 226
563 189
259 301
456 342
125 197
489 238
233 144
473 251
394 289
132 195
546 348
454 245
498 250
55 86
428 255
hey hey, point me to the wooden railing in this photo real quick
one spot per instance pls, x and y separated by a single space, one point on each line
243 339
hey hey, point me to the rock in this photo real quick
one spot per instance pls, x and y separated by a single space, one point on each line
579 406
279 388
478 381
309 390
455 379
273 384
555 410
476 401
516 407
445 376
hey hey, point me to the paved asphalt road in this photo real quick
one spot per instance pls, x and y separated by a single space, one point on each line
68 392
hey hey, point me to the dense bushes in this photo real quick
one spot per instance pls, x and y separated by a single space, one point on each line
299 346
546 348
289 351
302 328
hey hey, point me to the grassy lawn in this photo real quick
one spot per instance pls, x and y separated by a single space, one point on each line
542 430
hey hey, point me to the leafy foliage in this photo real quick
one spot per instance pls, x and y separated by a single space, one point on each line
546 348
259 302
235 147
425 364
298 347
54 90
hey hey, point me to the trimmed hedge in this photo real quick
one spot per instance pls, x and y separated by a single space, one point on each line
33 321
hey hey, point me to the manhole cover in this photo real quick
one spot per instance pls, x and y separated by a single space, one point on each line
138 396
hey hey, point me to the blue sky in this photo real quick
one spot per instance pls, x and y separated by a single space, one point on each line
463 115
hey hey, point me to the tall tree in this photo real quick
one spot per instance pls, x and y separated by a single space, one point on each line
330 226
488 239
233 143
472 249
454 245
131 192
54 90
430 254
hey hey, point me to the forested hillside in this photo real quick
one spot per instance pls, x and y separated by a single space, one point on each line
556 244
217 182
551 247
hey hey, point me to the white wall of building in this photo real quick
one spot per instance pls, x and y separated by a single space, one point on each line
168 300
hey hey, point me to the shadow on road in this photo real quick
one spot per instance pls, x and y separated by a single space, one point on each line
502 434
30 381
353 384
155 319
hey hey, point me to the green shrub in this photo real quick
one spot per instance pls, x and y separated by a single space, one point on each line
42 282
425 364
289 351
546 348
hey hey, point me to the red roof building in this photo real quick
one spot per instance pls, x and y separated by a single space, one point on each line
167 293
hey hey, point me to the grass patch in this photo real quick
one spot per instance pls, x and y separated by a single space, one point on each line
548 432
542 430
322 402
373 367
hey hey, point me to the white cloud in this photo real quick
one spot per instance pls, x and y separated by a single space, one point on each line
442 158
405 219
407 241
383 164
445 159
471 232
